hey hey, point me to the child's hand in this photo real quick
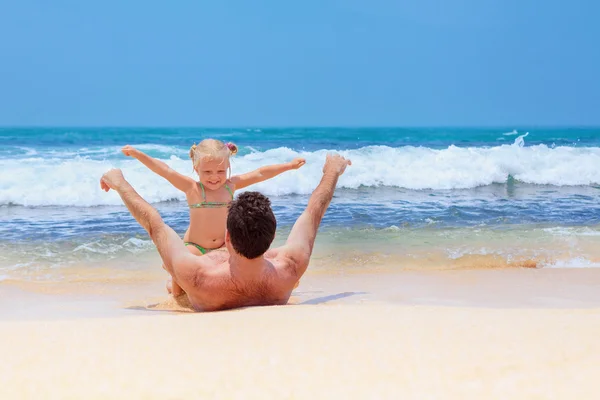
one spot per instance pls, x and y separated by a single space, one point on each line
297 163
129 151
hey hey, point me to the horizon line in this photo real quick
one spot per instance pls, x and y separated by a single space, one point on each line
510 126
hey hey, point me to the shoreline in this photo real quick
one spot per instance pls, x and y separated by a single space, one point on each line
550 288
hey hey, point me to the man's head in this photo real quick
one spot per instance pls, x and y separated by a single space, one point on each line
251 224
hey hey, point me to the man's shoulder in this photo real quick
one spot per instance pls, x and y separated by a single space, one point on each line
284 258
214 263
202 269
217 256
276 254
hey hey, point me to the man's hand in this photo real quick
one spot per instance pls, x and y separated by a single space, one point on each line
335 163
297 163
111 179
130 151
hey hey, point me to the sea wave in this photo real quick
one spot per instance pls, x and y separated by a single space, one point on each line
42 181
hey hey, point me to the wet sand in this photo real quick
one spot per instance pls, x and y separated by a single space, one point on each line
491 287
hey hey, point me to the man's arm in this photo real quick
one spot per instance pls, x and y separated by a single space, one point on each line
301 240
178 261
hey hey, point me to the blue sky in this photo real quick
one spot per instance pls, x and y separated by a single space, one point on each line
284 63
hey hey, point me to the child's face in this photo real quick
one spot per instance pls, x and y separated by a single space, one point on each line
212 172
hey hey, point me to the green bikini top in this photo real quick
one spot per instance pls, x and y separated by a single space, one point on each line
211 204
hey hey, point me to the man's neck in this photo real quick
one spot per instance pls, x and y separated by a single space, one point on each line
244 267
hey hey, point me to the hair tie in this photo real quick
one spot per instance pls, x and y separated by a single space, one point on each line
232 147
193 152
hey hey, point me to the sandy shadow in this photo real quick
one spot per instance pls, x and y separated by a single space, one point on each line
179 305
325 299
182 305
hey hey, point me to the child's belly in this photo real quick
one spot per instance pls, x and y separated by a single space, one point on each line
207 229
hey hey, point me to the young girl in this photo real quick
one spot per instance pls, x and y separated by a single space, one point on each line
208 198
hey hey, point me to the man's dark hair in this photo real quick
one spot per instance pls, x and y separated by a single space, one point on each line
251 224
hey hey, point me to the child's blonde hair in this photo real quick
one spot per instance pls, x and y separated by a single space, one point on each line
212 148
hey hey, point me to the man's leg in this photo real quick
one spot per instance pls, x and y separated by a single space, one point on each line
173 287
178 261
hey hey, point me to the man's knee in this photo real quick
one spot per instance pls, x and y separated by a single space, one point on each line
156 226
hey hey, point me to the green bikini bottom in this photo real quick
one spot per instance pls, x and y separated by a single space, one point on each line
200 248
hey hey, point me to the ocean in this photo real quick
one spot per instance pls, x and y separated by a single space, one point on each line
413 197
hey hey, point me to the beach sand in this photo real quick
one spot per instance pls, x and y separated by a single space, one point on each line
459 334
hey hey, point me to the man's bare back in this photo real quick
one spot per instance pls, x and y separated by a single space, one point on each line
225 279
226 286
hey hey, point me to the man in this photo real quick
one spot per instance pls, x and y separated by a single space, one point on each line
248 273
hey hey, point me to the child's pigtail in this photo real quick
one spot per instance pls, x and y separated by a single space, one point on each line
233 149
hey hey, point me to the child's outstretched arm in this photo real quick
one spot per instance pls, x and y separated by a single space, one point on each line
264 173
181 182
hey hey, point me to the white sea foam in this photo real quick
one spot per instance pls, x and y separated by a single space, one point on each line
39 181
513 133
577 262
96 153
171 150
28 151
98 247
568 231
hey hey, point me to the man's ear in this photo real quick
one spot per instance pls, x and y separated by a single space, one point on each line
227 237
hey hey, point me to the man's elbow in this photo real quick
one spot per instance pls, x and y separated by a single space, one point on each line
301 255
299 266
